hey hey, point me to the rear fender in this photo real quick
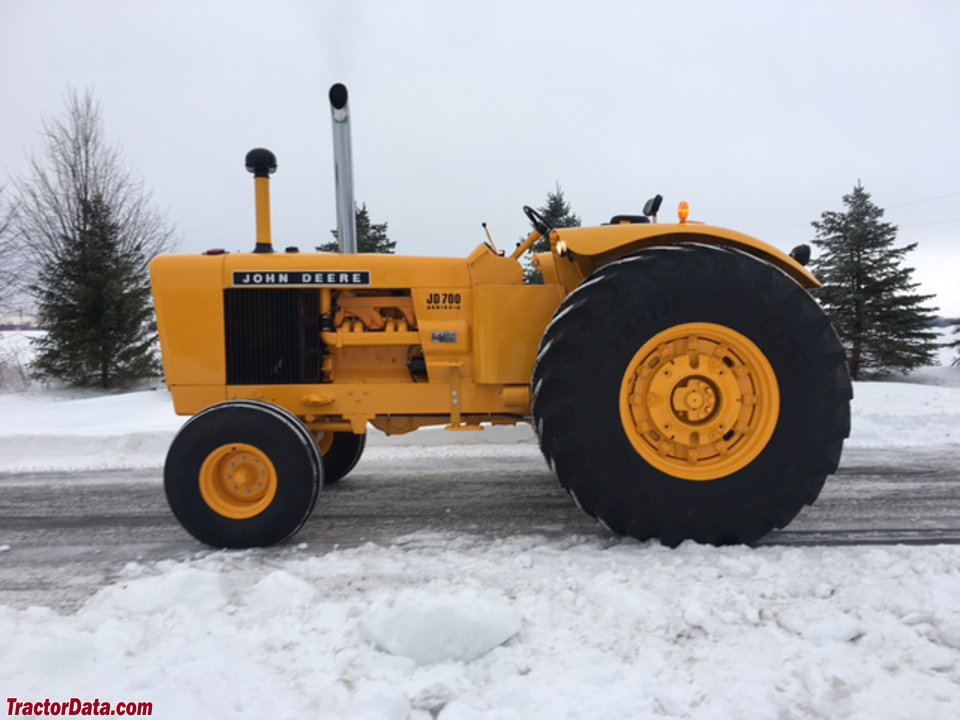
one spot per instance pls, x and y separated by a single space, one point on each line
593 247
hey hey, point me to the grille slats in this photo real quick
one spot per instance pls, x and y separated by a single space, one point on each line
272 336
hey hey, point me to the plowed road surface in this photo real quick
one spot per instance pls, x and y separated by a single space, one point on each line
70 533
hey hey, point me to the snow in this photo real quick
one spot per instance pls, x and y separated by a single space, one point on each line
899 414
430 629
463 627
512 629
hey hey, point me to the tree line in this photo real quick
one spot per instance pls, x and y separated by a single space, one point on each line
78 230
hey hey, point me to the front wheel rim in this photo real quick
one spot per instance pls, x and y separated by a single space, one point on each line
699 401
238 481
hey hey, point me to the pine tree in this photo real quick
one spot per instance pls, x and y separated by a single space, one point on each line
86 232
558 213
94 301
868 292
371 237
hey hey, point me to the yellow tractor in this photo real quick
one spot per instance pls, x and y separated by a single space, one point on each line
681 380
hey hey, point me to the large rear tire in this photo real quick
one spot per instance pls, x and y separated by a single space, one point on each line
340 453
242 474
691 392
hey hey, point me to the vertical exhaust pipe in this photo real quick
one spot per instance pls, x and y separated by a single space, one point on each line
262 163
343 169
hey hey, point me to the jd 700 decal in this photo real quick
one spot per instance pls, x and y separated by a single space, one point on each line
444 300
298 277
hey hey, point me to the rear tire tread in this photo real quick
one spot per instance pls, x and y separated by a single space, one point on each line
630 286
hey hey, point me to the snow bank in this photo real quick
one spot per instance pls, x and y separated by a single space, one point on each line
51 431
46 431
461 629
888 414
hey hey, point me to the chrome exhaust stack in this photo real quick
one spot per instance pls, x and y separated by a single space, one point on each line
343 169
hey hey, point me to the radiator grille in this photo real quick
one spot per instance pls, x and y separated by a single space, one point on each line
272 336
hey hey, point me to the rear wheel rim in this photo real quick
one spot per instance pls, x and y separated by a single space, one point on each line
238 481
699 401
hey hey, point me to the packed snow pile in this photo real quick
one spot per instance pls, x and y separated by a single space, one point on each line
461 628
428 629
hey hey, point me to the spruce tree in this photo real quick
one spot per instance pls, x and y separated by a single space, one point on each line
371 237
85 230
869 293
94 301
558 213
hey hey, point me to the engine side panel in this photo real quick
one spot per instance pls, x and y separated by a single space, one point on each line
509 321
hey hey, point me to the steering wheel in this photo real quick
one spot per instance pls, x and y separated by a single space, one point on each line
536 219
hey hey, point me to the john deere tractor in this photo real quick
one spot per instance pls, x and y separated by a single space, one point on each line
681 380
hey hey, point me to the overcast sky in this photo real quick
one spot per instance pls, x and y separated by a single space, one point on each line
760 114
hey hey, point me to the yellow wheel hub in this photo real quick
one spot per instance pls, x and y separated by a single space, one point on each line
699 401
238 481
324 441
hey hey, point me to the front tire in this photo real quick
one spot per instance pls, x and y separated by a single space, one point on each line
242 474
691 392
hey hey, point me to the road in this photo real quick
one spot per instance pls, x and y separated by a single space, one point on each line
71 533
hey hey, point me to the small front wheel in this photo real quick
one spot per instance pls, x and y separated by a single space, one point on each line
242 474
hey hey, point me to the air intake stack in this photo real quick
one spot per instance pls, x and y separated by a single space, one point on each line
262 163
343 168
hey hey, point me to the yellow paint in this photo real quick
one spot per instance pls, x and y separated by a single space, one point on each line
261 187
595 246
488 268
188 298
505 318
526 244
367 364
547 265
517 396
699 401
355 335
238 481
324 441
363 401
